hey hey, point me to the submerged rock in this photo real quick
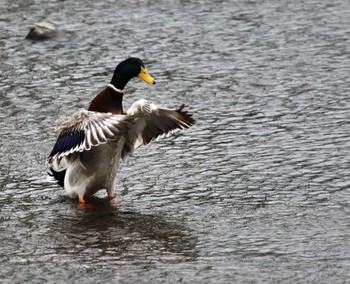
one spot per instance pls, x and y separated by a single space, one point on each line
41 31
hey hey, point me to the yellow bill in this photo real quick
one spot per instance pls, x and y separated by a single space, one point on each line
145 76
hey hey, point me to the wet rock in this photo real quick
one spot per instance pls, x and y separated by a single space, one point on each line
42 31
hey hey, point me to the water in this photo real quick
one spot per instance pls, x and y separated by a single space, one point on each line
256 192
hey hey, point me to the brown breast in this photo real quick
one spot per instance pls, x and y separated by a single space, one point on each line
108 100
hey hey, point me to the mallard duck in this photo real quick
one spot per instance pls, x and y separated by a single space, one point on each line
91 143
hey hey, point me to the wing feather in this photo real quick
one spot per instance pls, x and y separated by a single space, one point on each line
152 121
99 132
86 129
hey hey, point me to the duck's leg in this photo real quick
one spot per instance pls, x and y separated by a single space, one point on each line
84 205
111 193
112 198
76 179
78 191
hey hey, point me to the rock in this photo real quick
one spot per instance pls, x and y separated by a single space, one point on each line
41 31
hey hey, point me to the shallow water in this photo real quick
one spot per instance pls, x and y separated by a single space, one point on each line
256 192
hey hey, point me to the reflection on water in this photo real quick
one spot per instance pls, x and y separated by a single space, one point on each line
103 234
257 191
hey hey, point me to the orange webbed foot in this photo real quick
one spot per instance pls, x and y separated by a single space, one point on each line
83 204
114 200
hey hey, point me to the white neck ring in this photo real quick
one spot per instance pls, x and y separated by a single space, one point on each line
114 88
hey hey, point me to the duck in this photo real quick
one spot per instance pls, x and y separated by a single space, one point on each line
91 143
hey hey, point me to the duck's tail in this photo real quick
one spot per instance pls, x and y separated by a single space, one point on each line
58 176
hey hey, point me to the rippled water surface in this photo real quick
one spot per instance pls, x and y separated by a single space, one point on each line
258 191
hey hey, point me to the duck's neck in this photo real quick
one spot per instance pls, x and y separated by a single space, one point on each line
120 77
108 100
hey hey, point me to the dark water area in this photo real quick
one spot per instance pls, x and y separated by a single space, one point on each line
258 191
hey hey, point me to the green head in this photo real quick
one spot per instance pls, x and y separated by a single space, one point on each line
129 68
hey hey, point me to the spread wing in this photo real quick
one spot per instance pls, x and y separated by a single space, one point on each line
152 121
86 129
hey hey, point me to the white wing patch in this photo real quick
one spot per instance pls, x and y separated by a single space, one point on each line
152 121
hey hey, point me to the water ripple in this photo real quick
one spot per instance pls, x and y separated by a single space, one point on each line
256 191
